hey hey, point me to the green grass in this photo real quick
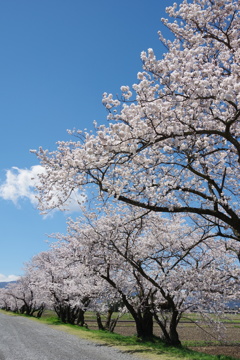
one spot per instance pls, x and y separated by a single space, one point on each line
155 350
89 315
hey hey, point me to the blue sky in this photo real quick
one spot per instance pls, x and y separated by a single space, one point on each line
57 59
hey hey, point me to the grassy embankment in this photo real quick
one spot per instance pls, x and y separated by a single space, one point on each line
147 350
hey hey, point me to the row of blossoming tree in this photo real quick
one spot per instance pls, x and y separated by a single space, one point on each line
165 172
156 268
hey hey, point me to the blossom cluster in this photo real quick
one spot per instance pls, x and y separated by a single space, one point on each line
172 143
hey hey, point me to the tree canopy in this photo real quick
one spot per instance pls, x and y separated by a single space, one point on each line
172 143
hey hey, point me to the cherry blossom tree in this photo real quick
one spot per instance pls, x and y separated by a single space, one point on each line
70 286
172 146
7 302
172 143
102 297
24 297
161 268
68 289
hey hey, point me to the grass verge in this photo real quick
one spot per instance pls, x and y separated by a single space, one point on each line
156 350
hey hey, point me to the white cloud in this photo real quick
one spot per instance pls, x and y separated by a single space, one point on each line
6 278
21 184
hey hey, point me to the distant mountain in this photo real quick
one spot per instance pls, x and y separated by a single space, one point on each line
4 284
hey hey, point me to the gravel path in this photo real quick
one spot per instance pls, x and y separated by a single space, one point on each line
23 339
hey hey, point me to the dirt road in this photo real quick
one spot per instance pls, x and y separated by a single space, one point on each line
23 339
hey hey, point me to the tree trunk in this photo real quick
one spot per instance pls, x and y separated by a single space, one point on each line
144 325
143 320
113 324
108 320
173 329
40 311
99 322
169 336
80 318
